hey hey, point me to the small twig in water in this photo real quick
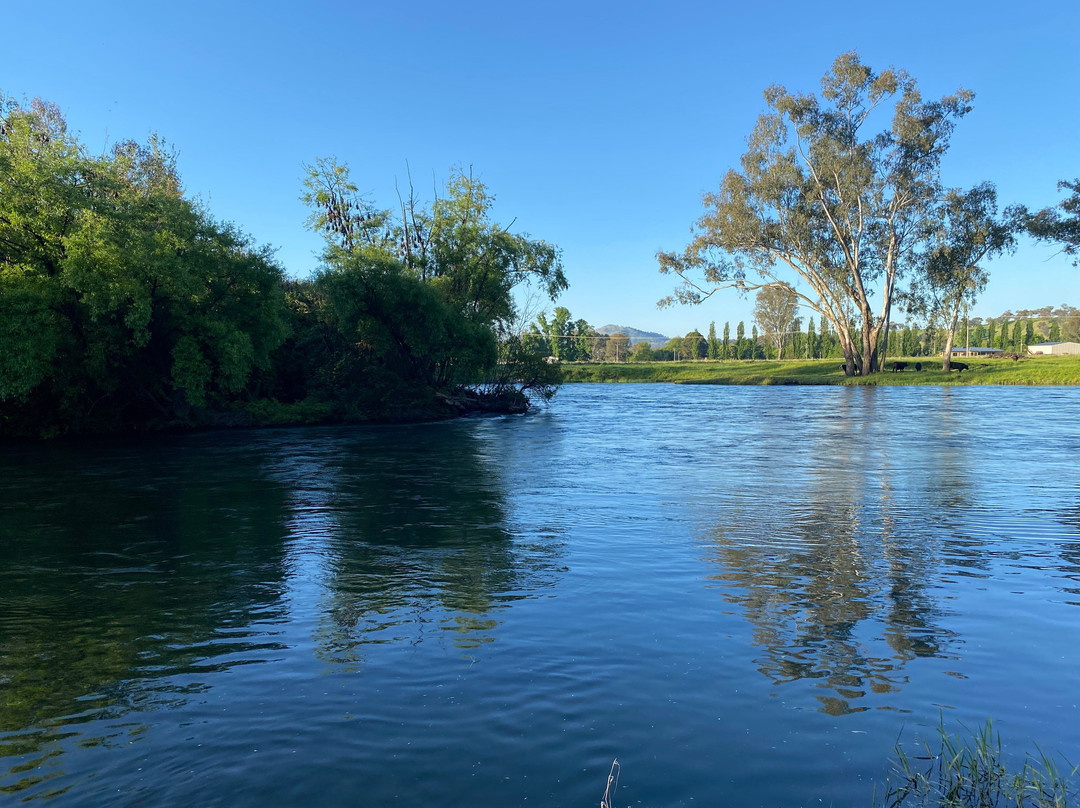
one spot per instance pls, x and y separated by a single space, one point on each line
612 784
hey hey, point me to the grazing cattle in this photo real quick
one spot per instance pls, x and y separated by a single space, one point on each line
843 367
918 367
898 366
959 367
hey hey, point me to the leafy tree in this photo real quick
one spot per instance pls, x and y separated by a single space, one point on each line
586 334
842 210
740 338
617 348
775 309
1054 332
969 233
122 304
978 337
560 333
535 341
408 341
726 347
907 342
426 297
597 347
694 346
1060 223
811 340
642 352
1017 335
673 349
714 344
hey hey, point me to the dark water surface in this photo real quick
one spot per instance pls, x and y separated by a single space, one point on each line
745 594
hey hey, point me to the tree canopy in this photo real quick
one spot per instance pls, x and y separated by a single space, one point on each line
841 210
122 303
424 297
775 310
1060 223
125 306
970 232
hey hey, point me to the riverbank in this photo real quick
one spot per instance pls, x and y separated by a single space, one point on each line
1043 370
268 413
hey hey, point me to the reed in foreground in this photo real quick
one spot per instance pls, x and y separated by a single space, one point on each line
970 773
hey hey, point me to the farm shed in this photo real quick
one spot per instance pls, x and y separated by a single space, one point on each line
1054 348
975 352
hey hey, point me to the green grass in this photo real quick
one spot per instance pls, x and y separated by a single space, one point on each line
959 772
970 773
1042 370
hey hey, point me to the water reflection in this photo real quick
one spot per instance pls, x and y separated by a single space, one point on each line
837 568
410 529
133 577
126 581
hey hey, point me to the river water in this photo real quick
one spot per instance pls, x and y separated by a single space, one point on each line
744 594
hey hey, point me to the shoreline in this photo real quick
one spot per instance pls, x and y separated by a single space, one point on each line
1043 371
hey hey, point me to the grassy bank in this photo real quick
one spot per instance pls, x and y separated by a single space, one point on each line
1042 370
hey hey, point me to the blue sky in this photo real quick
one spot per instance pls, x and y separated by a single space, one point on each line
596 125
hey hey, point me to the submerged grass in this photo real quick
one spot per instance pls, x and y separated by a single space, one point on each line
970 773
1042 370
961 773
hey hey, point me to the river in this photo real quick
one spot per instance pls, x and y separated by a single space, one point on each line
745 594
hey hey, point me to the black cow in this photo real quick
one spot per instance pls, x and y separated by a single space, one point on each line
898 366
959 367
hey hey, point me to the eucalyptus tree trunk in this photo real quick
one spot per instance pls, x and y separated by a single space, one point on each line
950 332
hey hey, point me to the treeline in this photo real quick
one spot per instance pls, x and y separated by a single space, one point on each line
124 305
1010 332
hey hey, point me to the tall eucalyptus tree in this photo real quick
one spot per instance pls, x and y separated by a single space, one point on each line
821 200
970 232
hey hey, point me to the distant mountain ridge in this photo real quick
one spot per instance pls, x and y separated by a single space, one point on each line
654 339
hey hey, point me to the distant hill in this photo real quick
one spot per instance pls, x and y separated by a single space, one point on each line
655 340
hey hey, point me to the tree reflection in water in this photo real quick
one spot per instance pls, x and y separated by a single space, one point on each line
129 576
838 568
411 527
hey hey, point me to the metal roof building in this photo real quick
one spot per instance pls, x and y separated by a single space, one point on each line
969 351
1054 348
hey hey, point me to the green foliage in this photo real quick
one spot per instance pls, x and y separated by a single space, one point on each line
420 305
968 233
840 209
617 348
1060 223
713 343
775 311
568 339
521 372
123 304
405 342
970 772
694 346
642 352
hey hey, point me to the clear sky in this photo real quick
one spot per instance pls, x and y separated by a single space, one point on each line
596 125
